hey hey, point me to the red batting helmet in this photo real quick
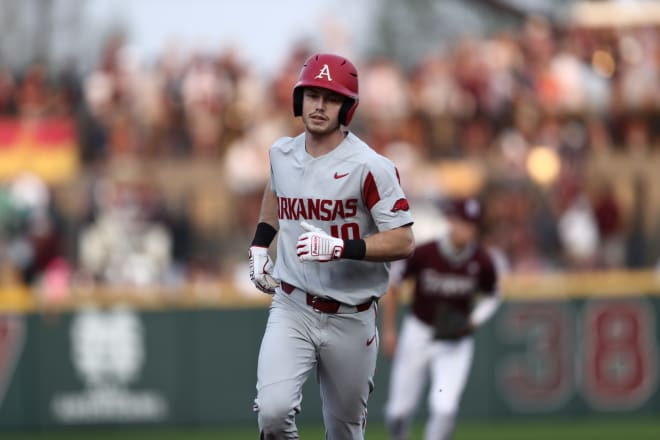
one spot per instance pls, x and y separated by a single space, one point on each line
332 72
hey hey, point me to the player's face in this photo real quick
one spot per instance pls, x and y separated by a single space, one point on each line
462 232
320 110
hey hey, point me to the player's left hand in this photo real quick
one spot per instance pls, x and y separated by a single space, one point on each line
449 323
460 333
318 245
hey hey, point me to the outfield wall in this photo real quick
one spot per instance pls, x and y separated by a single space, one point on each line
567 353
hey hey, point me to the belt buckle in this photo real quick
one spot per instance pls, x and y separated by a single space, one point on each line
314 300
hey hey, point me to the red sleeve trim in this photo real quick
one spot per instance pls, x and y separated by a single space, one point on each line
370 191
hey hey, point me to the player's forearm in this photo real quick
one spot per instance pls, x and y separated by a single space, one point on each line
484 310
268 213
394 244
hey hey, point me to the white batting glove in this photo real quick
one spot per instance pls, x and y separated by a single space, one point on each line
261 269
318 245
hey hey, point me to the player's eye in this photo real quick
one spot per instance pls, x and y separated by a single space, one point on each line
337 99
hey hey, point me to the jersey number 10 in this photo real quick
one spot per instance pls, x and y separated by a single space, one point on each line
348 231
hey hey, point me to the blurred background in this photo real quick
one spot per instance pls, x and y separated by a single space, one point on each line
133 155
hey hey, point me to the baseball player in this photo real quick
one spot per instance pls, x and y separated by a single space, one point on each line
340 215
455 291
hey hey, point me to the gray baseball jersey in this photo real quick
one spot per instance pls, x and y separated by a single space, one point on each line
351 192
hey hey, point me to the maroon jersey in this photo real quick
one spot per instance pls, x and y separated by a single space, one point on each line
443 276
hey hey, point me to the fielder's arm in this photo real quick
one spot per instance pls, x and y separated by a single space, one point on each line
488 303
389 303
484 309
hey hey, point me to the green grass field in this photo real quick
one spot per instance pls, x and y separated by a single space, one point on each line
600 429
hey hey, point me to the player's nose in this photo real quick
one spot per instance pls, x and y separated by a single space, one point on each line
320 103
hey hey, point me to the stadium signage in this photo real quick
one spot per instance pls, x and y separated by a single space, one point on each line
108 353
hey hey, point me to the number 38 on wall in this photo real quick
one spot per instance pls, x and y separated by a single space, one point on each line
610 356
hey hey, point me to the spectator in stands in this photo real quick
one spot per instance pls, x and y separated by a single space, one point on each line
125 245
591 97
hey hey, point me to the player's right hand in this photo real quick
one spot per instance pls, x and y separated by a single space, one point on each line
318 245
261 268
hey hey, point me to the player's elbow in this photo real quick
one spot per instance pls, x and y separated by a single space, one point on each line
407 248
398 244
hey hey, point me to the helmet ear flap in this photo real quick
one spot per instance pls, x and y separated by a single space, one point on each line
346 111
297 101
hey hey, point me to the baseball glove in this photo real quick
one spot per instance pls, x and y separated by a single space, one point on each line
450 323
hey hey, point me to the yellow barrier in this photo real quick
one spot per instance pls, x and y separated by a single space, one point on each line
224 294
582 285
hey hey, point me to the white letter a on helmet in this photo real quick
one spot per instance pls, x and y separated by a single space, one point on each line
325 71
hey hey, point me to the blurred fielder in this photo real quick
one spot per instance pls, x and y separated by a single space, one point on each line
340 216
455 291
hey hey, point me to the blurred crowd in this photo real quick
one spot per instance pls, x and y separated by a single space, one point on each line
556 128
